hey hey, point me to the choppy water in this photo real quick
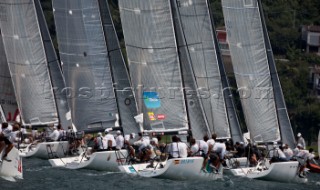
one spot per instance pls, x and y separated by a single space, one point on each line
38 174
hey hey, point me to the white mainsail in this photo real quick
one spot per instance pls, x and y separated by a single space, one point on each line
251 67
154 64
287 135
85 62
57 79
27 62
262 98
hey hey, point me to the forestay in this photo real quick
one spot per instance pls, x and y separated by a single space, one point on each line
8 101
154 64
55 70
248 51
85 64
124 94
27 61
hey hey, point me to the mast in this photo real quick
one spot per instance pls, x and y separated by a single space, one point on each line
227 94
287 135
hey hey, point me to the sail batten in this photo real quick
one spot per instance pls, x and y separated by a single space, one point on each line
249 56
27 62
154 64
85 63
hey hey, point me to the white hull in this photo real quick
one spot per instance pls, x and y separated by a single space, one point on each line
279 171
40 150
13 169
102 161
178 169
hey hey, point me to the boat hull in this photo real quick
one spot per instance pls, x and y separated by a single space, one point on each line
279 171
59 149
177 169
101 161
12 170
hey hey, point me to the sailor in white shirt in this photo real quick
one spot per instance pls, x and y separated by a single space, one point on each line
220 148
194 149
143 142
119 141
183 149
276 152
210 143
129 139
203 147
287 151
111 142
54 136
100 143
176 149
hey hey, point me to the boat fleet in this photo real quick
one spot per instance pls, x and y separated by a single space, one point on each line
173 85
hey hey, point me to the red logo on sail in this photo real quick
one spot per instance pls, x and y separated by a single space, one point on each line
161 117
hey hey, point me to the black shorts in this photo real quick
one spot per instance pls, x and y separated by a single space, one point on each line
204 155
214 156
6 140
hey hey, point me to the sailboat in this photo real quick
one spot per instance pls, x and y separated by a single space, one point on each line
13 169
312 165
201 62
261 97
31 61
91 56
186 26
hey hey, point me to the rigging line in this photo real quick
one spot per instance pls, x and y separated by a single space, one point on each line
113 50
191 44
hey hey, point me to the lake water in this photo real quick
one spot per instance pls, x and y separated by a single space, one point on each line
38 174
